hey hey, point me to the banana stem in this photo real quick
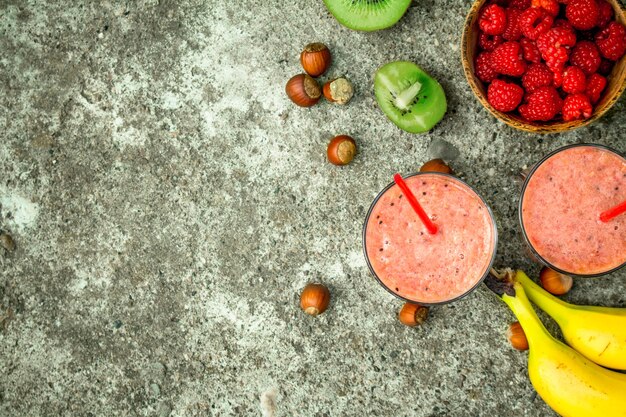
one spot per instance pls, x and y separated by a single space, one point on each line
557 308
536 333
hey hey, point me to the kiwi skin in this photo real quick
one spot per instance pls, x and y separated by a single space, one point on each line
359 14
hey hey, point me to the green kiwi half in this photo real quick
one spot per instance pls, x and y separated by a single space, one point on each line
367 15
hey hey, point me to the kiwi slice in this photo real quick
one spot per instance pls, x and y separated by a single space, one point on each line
409 97
367 15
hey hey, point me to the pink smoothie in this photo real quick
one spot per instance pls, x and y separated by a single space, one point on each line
561 204
427 268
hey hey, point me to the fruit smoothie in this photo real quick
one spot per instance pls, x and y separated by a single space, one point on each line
426 268
560 207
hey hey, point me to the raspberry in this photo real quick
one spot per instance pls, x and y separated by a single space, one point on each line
483 68
605 14
553 46
582 14
557 73
550 6
492 20
543 104
530 51
512 32
611 41
507 59
504 96
564 1
562 23
489 42
585 55
534 22
574 80
606 67
538 75
520 4
576 106
595 85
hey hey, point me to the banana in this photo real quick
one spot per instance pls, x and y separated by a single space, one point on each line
568 382
598 333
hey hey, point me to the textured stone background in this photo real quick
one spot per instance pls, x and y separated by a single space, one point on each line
168 204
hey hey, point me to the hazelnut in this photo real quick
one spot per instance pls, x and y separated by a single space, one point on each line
315 59
412 314
555 282
303 90
517 337
6 241
314 299
436 165
338 91
341 150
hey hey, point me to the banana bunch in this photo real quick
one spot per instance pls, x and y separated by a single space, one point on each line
569 379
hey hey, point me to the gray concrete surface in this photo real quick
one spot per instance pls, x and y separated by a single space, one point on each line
168 204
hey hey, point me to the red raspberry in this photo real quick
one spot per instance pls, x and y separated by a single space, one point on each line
543 104
538 75
595 85
574 80
605 13
553 46
483 68
611 41
585 55
504 96
520 4
512 32
534 22
550 6
507 59
576 106
564 1
557 73
582 14
562 23
489 42
530 51
606 67
492 20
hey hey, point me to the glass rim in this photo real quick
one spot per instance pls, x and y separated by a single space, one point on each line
521 201
491 261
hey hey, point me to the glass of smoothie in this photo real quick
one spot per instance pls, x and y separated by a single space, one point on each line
421 267
560 206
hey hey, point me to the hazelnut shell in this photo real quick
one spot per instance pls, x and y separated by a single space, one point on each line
341 150
412 314
517 337
315 59
554 282
436 165
303 90
338 91
314 299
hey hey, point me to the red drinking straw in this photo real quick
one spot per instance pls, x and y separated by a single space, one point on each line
605 216
430 226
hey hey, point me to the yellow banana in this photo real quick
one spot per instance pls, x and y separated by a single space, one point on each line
567 381
599 333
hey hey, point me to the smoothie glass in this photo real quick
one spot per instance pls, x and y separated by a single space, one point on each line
561 199
430 269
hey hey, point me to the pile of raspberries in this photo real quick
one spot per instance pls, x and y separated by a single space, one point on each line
543 58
